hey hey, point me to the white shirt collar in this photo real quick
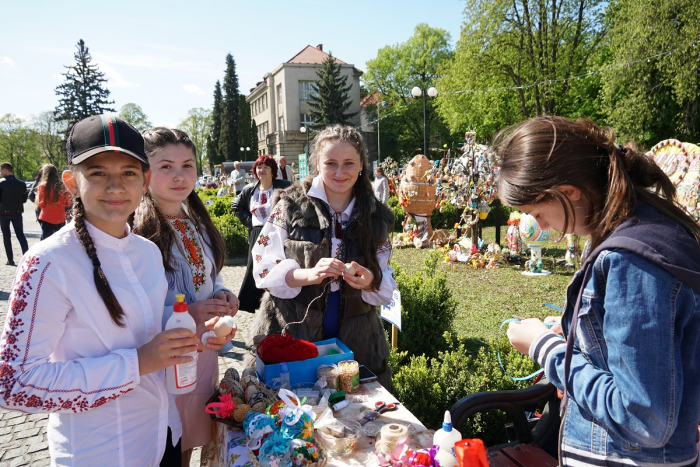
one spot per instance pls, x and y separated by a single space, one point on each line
106 240
318 190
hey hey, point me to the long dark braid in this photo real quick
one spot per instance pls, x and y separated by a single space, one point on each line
116 312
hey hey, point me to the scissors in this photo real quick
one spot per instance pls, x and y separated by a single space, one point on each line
379 408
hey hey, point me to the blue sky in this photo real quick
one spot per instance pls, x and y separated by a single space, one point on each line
166 56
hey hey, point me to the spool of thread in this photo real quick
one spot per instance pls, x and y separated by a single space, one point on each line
389 436
222 328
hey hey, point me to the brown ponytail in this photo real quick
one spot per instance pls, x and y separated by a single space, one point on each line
115 310
543 153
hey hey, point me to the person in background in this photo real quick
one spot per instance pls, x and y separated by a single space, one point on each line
380 185
223 186
32 193
630 366
173 216
285 171
252 207
238 177
52 199
13 195
317 227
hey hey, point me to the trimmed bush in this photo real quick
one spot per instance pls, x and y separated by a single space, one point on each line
221 206
235 234
429 386
427 309
447 218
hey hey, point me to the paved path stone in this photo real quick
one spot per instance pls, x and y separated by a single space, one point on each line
23 436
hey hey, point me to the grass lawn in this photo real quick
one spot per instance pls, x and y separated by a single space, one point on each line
487 297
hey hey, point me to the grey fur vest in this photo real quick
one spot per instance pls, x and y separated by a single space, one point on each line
309 227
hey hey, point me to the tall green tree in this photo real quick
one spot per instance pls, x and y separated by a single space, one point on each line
392 74
134 115
197 125
229 139
19 147
213 151
651 100
49 136
247 130
532 47
83 93
253 137
330 100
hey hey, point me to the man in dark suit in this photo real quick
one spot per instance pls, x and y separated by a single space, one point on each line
13 195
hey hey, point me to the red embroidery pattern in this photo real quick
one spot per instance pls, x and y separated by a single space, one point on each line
277 217
10 352
258 258
193 249
263 240
264 273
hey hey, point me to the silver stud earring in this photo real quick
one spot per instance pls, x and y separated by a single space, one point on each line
360 175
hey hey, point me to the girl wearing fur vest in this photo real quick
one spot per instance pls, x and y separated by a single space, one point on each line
312 232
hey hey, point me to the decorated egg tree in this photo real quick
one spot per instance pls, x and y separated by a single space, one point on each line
534 237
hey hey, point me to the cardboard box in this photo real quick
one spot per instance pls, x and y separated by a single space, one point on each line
304 371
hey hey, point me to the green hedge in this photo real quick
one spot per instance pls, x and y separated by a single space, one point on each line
429 386
427 309
235 234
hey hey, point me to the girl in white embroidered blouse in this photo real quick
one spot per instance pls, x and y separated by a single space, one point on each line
173 216
83 339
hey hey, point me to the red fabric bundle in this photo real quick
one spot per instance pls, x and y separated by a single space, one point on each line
278 348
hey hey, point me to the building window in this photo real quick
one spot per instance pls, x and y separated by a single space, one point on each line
305 90
262 131
279 94
306 119
281 127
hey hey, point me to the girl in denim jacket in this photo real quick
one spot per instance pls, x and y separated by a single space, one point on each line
630 366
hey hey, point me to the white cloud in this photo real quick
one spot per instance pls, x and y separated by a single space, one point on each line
7 62
193 89
115 78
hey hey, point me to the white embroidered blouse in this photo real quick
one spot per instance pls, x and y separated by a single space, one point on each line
61 353
260 205
270 266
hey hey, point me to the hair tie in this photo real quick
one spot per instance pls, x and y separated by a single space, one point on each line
623 150
96 262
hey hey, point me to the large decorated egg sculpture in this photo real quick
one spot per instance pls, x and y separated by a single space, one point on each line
531 232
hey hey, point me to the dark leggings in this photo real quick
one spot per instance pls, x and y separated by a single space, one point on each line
48 229
173 454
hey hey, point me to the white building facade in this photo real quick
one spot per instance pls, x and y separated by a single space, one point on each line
279 104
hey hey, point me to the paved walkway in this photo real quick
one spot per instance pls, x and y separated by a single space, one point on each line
23 436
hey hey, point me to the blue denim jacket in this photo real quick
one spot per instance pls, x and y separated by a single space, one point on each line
634 383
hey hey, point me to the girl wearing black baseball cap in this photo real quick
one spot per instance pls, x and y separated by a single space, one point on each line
83 339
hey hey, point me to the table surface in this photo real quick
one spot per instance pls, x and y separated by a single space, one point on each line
359 403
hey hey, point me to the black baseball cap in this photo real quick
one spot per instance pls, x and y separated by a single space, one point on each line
103 133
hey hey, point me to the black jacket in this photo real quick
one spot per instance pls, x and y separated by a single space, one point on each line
13 195
241 205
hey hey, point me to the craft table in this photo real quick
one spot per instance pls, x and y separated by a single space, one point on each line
232 442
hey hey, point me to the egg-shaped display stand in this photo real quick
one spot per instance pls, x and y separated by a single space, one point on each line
534 237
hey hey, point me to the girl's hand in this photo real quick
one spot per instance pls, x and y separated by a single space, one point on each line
523 333
557 327
214 343
166 349
324 269
203 310
229 298
363 279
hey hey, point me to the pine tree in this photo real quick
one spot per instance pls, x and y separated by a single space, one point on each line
213 142
253 131
244 124
330 99
83 94
228 142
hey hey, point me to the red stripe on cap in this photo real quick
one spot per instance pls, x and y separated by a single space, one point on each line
110 128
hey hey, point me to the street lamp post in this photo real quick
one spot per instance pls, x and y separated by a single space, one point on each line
304 129
417 92
245 152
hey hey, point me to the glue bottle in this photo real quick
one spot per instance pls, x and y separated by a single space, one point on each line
446 438
182 378
284 376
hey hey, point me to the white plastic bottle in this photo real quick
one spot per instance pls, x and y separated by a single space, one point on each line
284 376
446 439
182 378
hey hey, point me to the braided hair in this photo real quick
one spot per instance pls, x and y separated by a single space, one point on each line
116 312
